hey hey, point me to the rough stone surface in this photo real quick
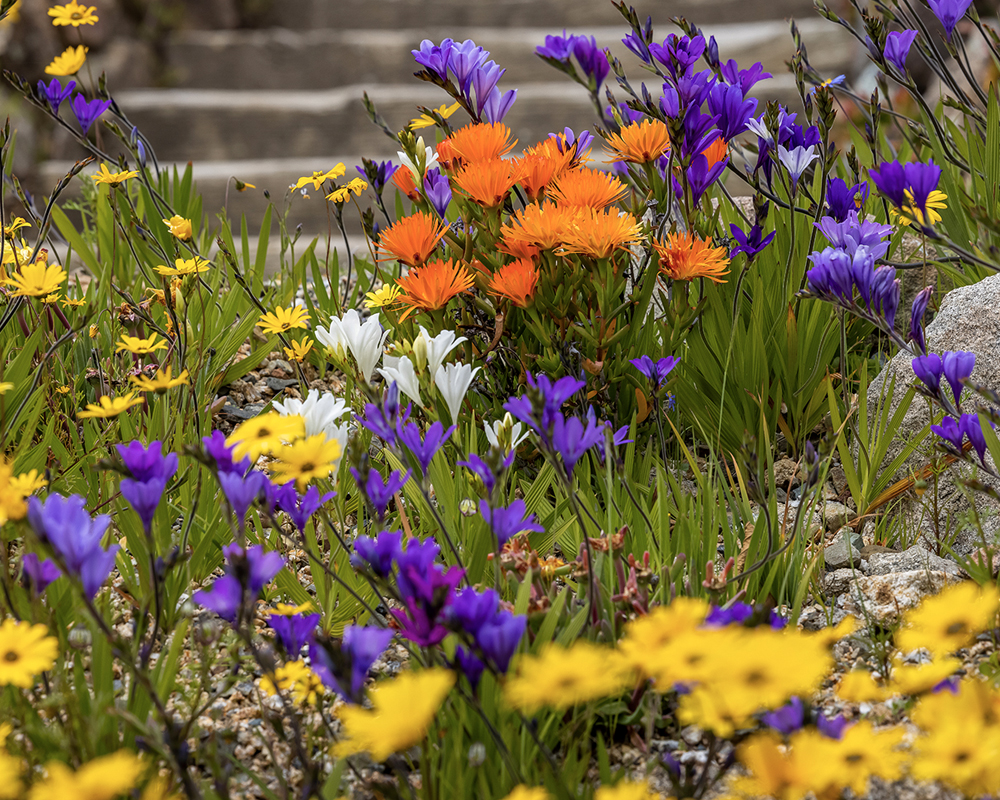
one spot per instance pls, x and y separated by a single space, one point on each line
837 581
836 516
884 598
916 558
784 473
841 552
968 320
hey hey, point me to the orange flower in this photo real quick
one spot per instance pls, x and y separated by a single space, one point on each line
412 239
571 153
487 183
516 281
599 233
430 287
640 142
588 187
446 154
542 226
537 172
519 249
403 179
715 152
685 258
480 142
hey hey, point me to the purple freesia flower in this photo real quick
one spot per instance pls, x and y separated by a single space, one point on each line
890 179
678 53
568 139
929 369
378 554
383 420
956 366
300 507
831 727
540 406
949 12
500 637
752 243
732 614
479 467
732 108
438 190
150 470
377 173
484 79
470 610
242 491
64 524
343 666
469 665
558 48
951 432
841 199
921 180
39 573
787 719
215 448
592 60
746 79
637 43
435 58
377 493
510 521
655 372
293 630
246 574
852 233
468 60
424 449
88 112
498 104
699 129
415 561
224 597
427 590
897 48
54 93
796 161
970 425
700 175
572 439
917 312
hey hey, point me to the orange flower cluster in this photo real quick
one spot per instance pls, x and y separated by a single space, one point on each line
684 258
412 239
430 287
641 142
516 281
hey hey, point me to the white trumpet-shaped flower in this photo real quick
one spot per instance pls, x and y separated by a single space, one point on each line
505 433
430 158
321 412
400 369
453 381
364 340
439 346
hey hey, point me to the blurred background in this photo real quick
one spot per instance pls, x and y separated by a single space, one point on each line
268 90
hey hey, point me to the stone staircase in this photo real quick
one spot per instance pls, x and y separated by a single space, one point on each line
270 104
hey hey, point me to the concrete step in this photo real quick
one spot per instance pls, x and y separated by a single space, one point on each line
280 58
554 14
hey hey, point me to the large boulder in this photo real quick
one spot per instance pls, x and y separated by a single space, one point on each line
969 319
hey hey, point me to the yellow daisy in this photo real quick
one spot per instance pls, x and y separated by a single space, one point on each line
25 651
140 347
908 213
109 407
69 62
299 350
283 319
179 227
182 266
265 433
101 779
382 297
160 382
342 193
37 280
315 457
112 178
73 14
317 179
295 677
425 120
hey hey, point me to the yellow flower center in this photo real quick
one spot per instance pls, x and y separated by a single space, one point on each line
76 15
11 656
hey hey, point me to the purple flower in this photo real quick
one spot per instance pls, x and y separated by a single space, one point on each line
568 139
150 471
438 190
39 573
424 450
796 161
427 590
144 497
293 630
543 402
224 597
655 372
377 173
637 44
571 439
477 466
242 491
949 12
733 110
700 176
300 507
746 79
917 312
509 522
842 199
467 62
787 719
897 48
678 53
435 58
382 420
377 493
55 93
222 454
470 665
969 425
752 243
470 610
921 180
852 233
947 685
951 432
484 80
831 727
890 179
699 129
930 370
957 366
413 563
253 567
343 666
377 555
499 638
558 48
733 614
592 60
498 104
64 524
88 112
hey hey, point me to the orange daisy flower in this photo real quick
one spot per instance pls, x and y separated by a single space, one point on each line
430 287
588 187
446 154
480 142
640 142
519 249
488 183
542 226
537 172
715 152
412 239
403 180
599 233
516 281
684 258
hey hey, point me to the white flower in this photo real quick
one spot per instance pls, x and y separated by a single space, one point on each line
439 346
363 340
400 369
453 382
503 430
797 160
430 158
758 127
320 411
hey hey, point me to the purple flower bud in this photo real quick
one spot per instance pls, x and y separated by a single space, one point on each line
88 112
897 48
751 244
969 425
222 454
293 630
929 369
498 104
377 555
957 366
39 573
500 637
787 719
470 665
438 190
917 318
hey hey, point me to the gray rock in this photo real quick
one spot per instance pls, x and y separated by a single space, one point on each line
968 320
916 558
884 598
837 515
784 473
841 552
837 581
817 617
277 385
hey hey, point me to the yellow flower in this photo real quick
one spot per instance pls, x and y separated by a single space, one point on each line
284 319
10 767
564 677
402 711
28 483
180 228
304 684
159 383
314 457
242 186
92 332
72 303
12 16
318 178
101 779
523 792
5 387
12 505
16 224
342 193
288 610
645 637
109 407
112 178
950 619
63 389
140 347
861 753
908 213
17 255
774 770
73 14
425 120
37 280
68 62
189 266
858 686
913 679
264 433
625 790
25 651
299 350
382 297
51 300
